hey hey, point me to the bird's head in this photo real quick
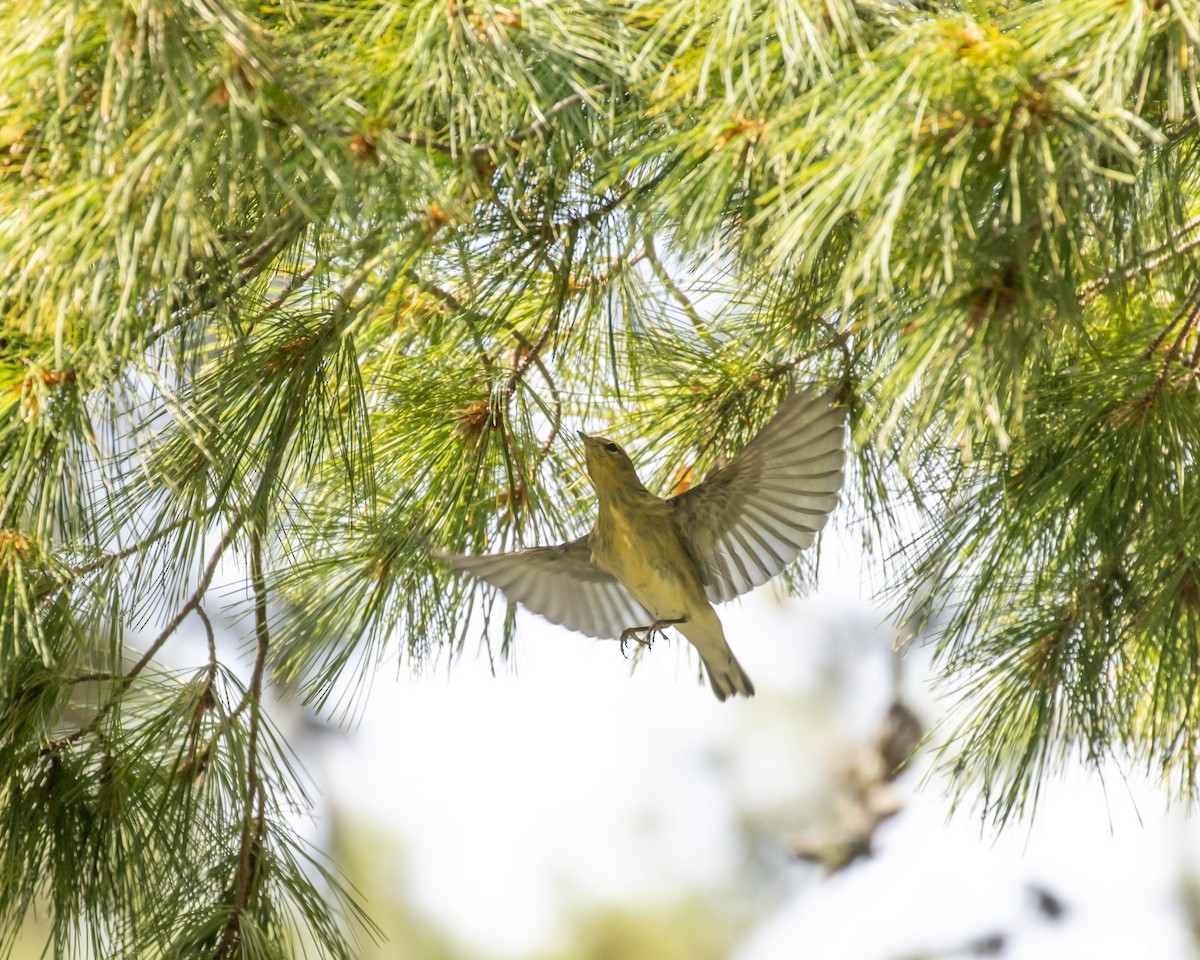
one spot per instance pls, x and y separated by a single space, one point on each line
608 465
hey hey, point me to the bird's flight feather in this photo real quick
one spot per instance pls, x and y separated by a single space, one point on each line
563 585
751 518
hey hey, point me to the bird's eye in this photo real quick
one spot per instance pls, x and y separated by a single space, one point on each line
610 447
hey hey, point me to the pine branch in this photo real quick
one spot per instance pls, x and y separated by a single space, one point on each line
192 605
543 122
253 817
483 151
212 291
840 340
529 354
672 288
1178 244
109 559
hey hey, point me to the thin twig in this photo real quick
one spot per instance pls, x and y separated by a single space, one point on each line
614 270
256 258
84 569
532 351
1189 313
1154 258
590 218
94 677
429 143
195 762
530 354
1188 303
193 603
1188 326
289 288
210 636
517 137
673 289
533 354
787 366
1193 361
472 316
250 264
555 420
540 124
253 820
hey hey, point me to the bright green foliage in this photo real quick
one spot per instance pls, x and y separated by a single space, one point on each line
301 289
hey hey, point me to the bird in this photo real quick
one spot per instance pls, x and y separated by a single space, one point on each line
649 562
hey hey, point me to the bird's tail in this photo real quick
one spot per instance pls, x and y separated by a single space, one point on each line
725 674
728 678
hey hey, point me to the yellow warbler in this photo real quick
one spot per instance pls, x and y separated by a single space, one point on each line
649 562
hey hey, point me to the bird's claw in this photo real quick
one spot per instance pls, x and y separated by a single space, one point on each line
633 634
645 635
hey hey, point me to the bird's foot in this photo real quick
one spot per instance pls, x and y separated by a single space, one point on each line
633 634
645 635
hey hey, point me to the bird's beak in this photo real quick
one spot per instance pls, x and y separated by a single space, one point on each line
583 436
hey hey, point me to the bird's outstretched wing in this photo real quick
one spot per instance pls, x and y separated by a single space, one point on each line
561 584
751 518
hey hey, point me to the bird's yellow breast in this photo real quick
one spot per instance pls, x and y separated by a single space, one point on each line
639 544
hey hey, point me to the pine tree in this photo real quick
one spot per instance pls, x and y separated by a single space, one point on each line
302 289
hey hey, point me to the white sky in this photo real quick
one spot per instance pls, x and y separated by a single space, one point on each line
518 796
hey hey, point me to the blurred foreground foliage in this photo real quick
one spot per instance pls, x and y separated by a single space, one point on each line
291 291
